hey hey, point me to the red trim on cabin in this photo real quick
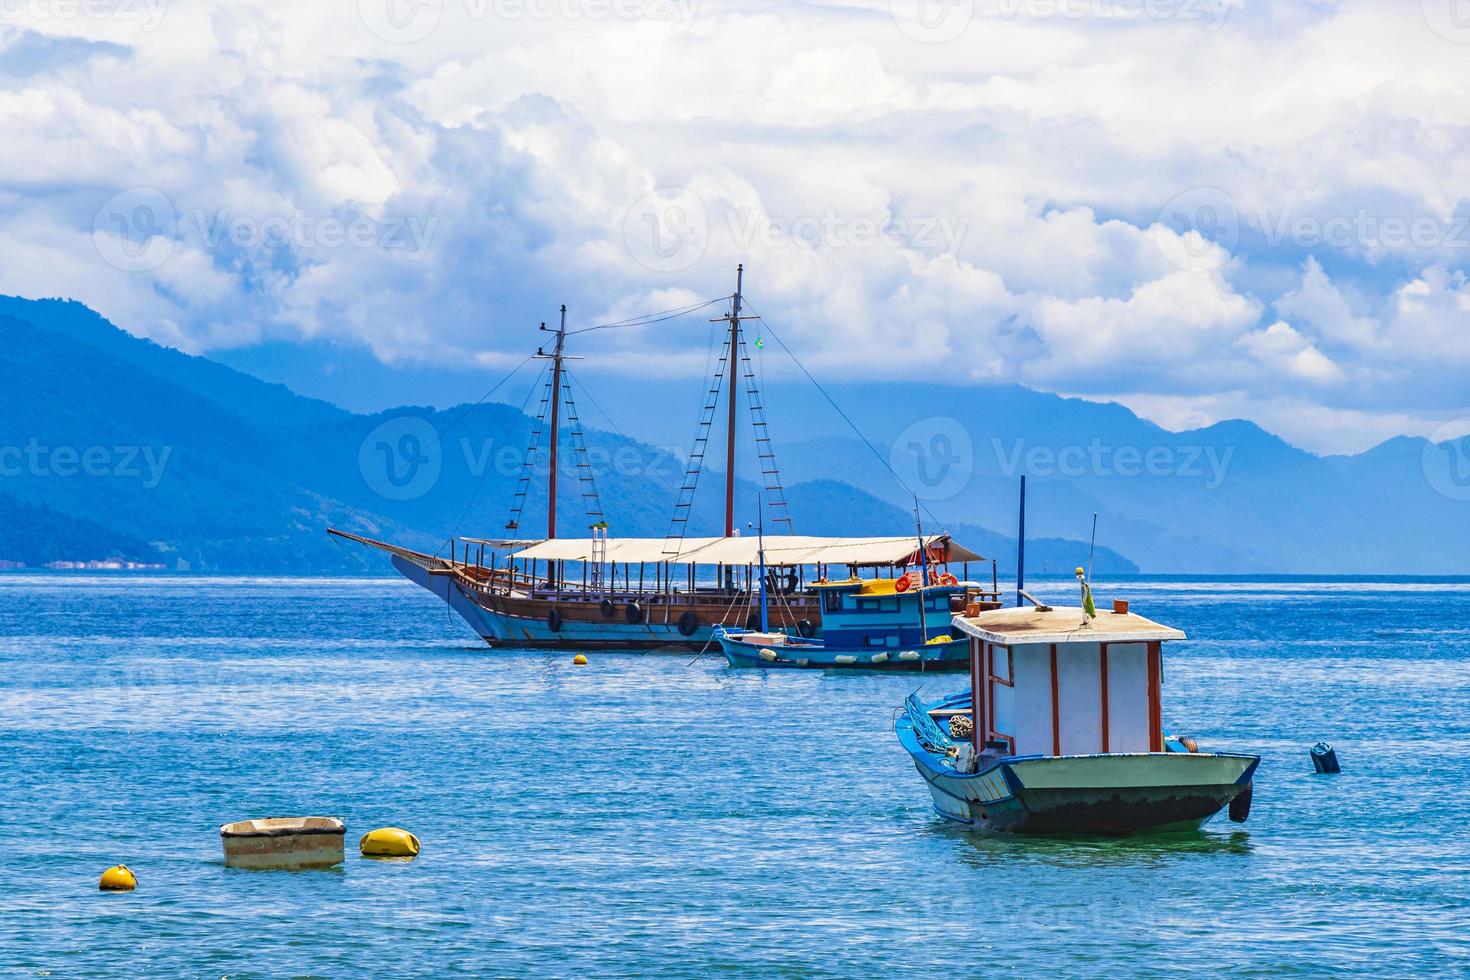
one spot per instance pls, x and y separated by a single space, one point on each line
977 711
1102 669
1056 706
990 681
1155 699
988 660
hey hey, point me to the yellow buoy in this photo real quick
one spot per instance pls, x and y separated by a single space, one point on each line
118 879
580 660
389 842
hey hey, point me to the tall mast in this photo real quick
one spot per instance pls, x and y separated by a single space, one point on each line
561 338
730 430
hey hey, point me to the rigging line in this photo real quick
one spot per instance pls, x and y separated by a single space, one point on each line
523 482
439 434
850 423
728 609
644 319
515 421
577 381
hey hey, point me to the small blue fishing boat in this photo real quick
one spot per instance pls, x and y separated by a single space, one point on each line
876 623
1061 731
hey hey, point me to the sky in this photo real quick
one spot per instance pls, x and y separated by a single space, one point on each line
1202 209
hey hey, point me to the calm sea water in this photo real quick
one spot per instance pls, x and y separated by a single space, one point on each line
648 815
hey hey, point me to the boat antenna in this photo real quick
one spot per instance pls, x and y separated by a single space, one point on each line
1021 548
1092 548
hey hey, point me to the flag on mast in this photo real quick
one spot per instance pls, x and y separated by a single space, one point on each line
1088 606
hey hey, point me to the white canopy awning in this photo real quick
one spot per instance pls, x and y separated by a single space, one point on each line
782 550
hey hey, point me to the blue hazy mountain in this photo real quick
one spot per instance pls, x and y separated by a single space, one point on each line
145 449
114 447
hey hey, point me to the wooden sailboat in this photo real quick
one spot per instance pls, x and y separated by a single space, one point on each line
601 592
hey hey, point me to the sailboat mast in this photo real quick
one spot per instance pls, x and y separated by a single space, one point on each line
730 425
561 337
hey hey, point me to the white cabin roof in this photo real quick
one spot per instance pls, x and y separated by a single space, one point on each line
781 550
1061 624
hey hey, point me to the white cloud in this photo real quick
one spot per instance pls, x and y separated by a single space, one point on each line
1280 348
988 207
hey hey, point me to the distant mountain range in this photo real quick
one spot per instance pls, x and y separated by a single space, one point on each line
115 447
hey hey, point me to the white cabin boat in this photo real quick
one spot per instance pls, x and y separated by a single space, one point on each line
1065 731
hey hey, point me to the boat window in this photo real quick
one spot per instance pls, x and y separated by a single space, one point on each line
831 600
877 605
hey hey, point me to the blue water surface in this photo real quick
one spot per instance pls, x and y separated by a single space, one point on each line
650 815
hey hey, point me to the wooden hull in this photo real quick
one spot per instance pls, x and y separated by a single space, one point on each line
520 620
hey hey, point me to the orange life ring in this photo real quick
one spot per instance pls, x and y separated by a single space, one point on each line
949 579
903 583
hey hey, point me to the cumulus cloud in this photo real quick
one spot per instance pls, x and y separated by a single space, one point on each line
1194 207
